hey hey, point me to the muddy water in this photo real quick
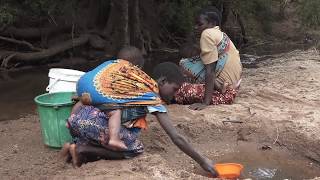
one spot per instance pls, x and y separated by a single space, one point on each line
17 91
269 164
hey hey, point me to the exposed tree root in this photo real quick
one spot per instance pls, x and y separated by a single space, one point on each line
25 43
32 33
46 53
97 42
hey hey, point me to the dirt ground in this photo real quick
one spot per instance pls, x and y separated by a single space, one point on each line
278 107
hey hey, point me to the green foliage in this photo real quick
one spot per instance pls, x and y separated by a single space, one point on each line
47 7
260 10
10 9
7 14
40 7
310 13
178 15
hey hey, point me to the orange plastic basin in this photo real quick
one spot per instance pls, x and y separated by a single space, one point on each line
228 170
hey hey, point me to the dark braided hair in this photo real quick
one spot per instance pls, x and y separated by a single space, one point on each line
213 15
170 71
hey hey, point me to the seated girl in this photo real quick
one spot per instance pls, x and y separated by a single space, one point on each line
217 68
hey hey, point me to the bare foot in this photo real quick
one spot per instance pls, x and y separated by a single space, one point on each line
73 152
117 145
64 153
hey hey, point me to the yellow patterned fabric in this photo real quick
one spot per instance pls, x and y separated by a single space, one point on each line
119 82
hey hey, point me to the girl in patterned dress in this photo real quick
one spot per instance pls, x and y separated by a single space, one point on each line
118 84
218 65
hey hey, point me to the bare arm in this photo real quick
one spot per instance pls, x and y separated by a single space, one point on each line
183 145
210 78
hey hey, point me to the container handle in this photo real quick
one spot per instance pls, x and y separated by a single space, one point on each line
50 85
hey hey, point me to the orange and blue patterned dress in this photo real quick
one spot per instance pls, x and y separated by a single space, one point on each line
115 84
118 82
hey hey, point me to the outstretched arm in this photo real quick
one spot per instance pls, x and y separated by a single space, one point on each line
183 145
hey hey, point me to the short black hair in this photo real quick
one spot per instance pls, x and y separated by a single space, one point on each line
131 54
170 71
213 15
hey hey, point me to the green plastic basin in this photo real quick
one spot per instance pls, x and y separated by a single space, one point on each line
54 110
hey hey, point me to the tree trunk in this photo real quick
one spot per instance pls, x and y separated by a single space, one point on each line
226 9
150 24
283 5
111 19
125 21
117 27
243 39
136 36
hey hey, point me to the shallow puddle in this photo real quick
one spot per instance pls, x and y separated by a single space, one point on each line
269 164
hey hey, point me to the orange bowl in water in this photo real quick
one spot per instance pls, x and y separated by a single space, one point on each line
228 170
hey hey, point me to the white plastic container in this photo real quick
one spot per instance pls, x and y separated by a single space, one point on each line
63 80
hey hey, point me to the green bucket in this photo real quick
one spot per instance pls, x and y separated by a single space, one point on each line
54 110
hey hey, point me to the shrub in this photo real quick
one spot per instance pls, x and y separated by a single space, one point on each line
261 10
310 13
7 14
178 15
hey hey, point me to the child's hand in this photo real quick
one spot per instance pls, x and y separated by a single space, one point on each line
198 106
